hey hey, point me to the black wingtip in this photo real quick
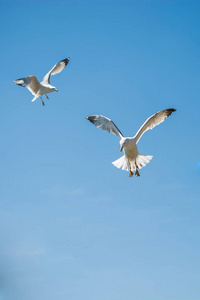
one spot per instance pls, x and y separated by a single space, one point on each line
171 110
66 60
20 84
91 118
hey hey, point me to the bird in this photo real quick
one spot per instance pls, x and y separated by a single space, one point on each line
132 160
38 89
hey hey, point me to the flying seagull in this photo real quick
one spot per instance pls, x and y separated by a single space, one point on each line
42 88
132 160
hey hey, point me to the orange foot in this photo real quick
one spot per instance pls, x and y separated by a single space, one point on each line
130 173
137 173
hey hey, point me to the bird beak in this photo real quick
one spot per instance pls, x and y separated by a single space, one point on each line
121 148
56 90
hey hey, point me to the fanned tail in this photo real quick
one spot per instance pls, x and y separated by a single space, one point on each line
142 160
138 163
122 162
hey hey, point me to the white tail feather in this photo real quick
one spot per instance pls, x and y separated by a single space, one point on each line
141 161
36 96
122 162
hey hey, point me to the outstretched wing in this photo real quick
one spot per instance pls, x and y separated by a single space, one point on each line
55 70
105 124
153 121
30 82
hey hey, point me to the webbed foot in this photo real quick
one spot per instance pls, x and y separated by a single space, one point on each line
137 173
130 173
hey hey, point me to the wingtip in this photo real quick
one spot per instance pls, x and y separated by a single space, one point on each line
18 82
171 110
91 118
65 61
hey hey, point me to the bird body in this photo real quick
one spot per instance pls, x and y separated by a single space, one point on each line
132 160
38 89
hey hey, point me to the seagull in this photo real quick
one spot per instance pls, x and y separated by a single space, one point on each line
132 160
42 88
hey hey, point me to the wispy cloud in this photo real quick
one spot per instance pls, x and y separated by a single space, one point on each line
28 251
99 198
60 191
61 258
78 191
24 280
62 292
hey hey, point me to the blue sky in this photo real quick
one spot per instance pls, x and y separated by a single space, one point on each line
73 226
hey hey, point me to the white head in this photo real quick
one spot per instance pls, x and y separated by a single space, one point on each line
124 142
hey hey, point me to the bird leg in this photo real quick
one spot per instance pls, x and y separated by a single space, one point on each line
47 97
130 172
42 101
136 172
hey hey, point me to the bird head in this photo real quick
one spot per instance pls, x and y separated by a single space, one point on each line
123 143
54 89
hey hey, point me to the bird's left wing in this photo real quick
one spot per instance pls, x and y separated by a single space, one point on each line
105 124
153 121
30 82
55 70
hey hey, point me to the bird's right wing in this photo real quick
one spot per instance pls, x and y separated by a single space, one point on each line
55 70
105 124
30 82
153 121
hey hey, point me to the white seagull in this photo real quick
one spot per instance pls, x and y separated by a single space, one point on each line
132 160
42 88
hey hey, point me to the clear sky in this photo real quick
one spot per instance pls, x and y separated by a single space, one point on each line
72 226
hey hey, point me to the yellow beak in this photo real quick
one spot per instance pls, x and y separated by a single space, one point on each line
121 148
